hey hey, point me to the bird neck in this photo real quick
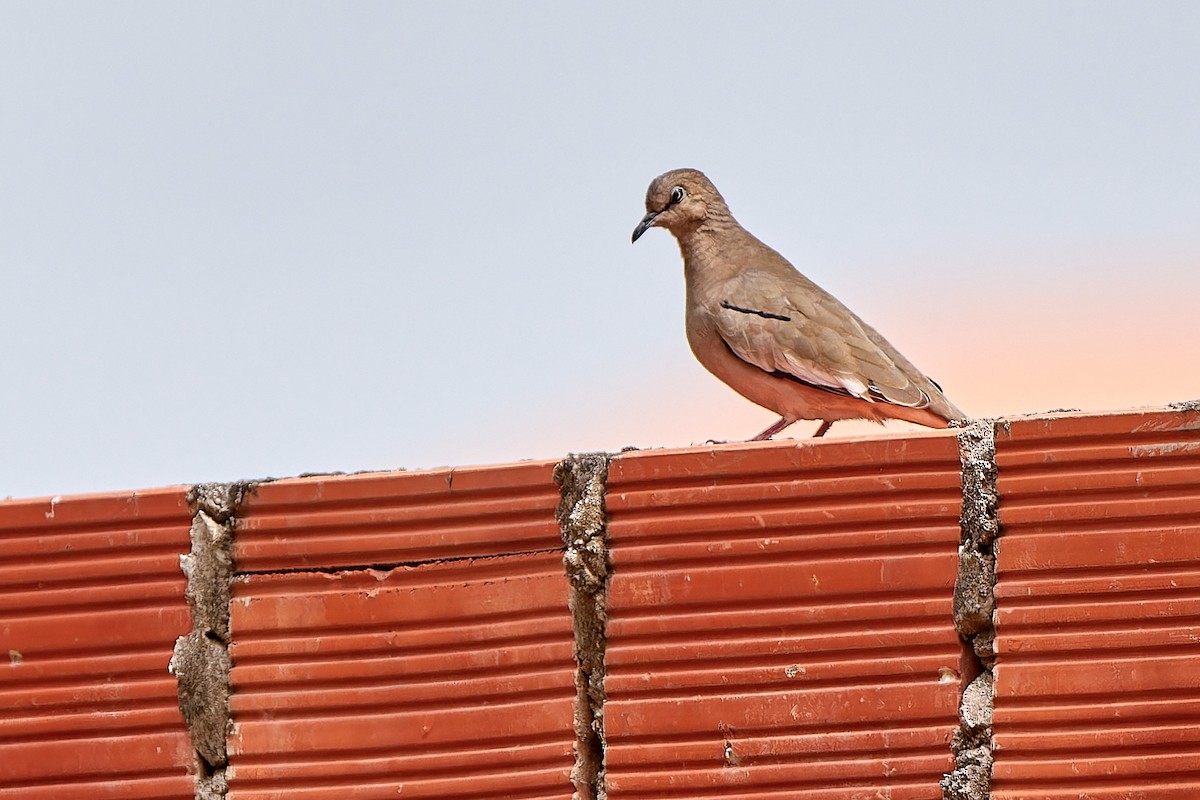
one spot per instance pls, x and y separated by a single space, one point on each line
713 253
707 237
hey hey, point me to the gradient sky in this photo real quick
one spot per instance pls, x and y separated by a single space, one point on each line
256 239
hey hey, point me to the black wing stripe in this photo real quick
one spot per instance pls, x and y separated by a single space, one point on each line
763 314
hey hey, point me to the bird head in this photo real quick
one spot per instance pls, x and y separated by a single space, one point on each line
679 200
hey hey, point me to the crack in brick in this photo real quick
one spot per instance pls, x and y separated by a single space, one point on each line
974 607
200 661
581 515
393 565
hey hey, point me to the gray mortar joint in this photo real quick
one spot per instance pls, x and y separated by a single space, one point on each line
974 609
582 519
200 661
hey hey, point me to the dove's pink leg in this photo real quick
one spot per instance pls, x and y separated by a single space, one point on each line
825 425
771 431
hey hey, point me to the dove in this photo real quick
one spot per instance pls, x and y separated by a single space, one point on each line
771 334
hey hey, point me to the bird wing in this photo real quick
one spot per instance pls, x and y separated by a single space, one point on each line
795 328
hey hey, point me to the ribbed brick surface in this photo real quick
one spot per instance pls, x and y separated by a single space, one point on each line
779 625
397 517
1098 634
780 620
91 601
431 680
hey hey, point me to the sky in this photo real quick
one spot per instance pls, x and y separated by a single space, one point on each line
249 240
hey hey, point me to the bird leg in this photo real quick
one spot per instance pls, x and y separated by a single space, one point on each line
825 425
771 431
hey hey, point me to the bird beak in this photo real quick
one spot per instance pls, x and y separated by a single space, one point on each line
646 224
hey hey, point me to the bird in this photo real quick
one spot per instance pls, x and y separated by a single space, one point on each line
771 334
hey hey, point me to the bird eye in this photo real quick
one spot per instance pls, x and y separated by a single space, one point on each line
677 195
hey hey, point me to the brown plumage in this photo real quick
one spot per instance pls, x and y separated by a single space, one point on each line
773 335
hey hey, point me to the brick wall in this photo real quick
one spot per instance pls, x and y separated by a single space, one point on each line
908 616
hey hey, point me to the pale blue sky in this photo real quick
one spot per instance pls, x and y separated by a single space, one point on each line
241 240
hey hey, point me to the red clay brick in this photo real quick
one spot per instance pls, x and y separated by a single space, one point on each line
91 601
1098 594
452 674
780 619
